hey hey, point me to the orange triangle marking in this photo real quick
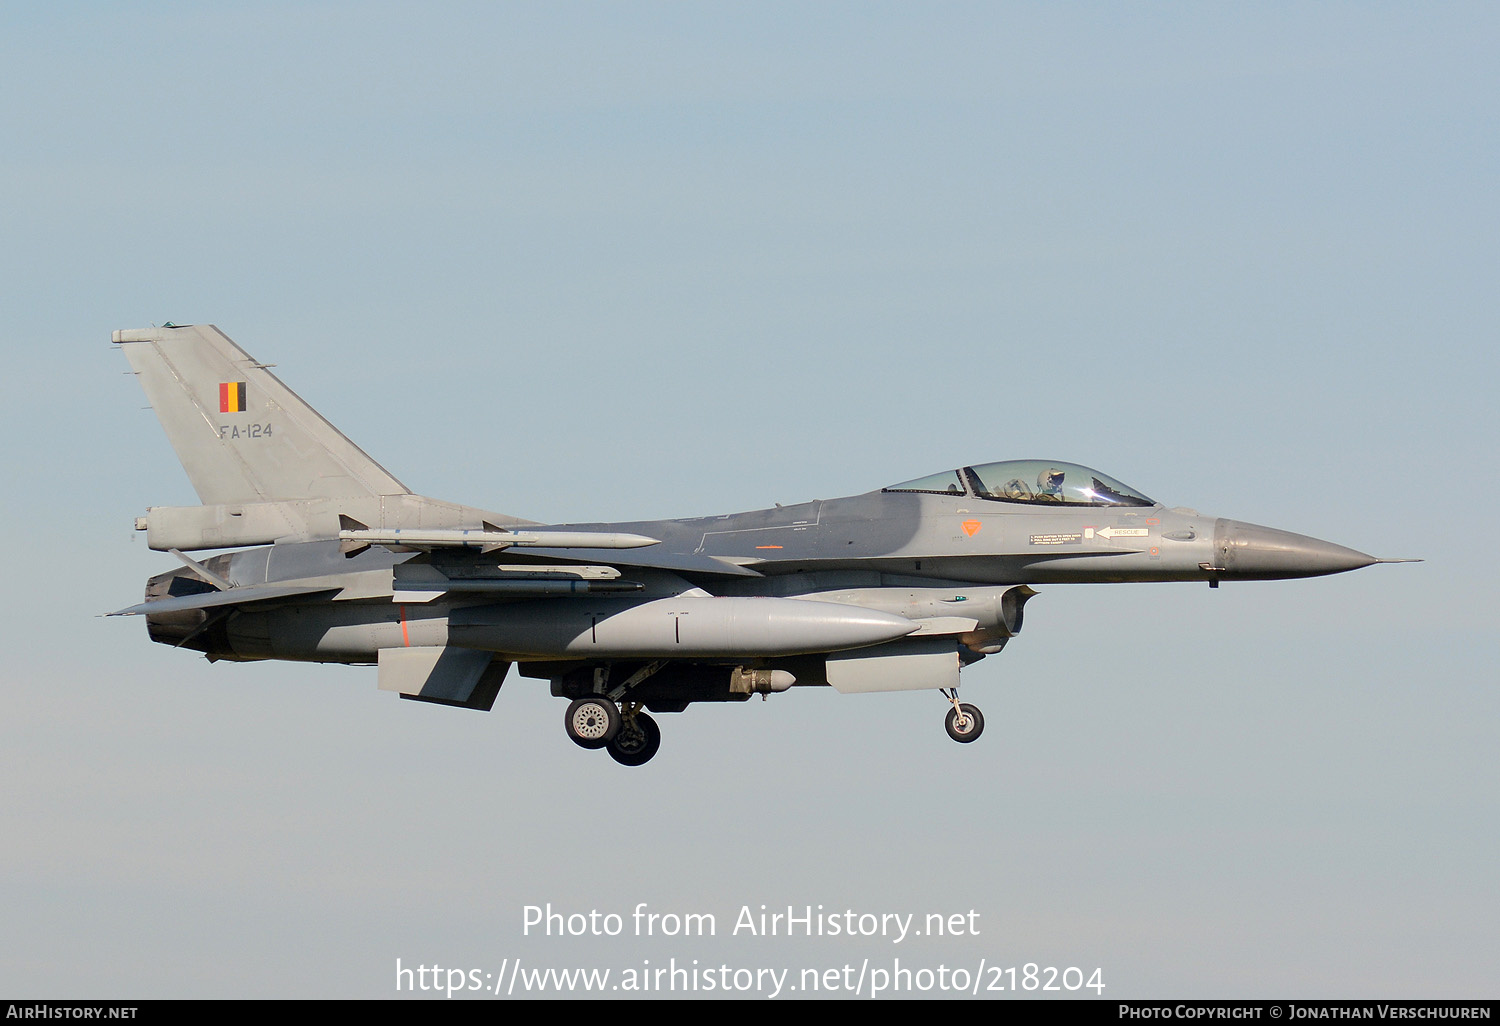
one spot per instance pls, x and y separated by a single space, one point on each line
971 527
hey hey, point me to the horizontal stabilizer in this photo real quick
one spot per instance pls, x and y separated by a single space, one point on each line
232 597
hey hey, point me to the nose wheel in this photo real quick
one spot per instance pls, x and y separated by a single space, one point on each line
965 722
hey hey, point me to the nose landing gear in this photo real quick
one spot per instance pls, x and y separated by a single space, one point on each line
965 722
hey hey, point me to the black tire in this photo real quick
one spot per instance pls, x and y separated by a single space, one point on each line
635 747
591 722
973 727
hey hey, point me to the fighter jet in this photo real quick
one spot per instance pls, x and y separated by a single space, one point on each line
331 559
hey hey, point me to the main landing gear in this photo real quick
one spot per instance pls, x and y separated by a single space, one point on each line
627 731
965 722
638 738
632 737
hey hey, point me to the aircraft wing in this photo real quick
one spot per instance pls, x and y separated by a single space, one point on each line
229 597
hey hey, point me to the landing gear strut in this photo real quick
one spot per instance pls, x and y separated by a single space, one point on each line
965 722
608 719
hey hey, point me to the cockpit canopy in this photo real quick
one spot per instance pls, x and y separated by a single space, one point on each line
1032 481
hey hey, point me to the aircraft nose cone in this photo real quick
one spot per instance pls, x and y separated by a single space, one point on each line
1249 550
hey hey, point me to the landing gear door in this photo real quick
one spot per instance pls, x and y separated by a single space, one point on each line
899 666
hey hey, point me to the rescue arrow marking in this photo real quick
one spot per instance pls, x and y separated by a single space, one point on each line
1120 532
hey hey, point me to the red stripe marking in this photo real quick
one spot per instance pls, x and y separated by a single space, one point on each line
405 637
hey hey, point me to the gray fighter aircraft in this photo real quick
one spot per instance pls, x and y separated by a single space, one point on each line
334 560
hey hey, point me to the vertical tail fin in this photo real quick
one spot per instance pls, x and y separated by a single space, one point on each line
242 435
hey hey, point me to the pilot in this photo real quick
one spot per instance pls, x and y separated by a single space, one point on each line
1049 485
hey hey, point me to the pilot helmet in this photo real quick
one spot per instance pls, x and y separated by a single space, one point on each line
1050 481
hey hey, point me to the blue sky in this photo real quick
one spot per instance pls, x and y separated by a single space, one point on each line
609 262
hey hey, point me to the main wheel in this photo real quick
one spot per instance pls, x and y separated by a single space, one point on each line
972 726
592 721
635 747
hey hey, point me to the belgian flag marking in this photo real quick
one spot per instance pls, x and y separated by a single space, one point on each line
231 397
